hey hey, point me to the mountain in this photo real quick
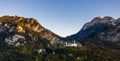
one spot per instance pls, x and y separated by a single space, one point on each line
24 39
15 30
100 31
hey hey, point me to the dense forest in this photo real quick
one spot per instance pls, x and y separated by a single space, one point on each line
85 53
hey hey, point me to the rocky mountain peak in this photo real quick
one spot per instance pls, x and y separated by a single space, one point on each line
99 20
96 19
21 22
28 26
109 18
103 20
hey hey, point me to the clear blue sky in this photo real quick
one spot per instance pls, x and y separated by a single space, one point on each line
63 17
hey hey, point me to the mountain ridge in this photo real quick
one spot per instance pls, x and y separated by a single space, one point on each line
102 31
30 26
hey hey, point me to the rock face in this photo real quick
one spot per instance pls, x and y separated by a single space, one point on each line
101 31
14 29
